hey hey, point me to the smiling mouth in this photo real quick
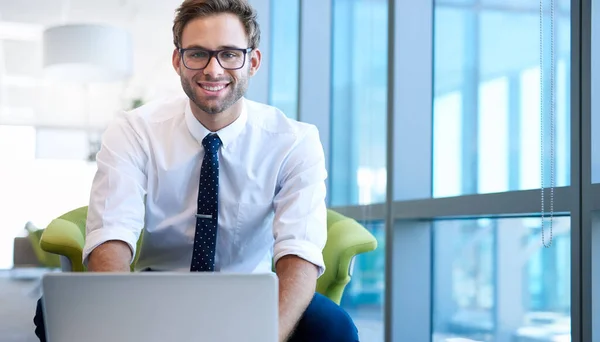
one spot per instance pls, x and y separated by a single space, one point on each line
213 88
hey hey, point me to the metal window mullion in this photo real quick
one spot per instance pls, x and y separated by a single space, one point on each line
408 289
388 309
581 286
595 188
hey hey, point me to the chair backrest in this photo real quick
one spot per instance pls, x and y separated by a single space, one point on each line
78 217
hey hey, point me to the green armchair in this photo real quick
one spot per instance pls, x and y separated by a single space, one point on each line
346 238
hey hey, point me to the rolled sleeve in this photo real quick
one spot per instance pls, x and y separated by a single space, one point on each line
306 250
116 206
100 236
300 222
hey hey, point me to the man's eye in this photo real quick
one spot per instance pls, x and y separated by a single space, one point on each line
198 55
230 54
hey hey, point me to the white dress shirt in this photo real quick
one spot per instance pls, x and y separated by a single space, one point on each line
271 188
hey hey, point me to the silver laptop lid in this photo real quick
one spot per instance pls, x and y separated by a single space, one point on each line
159 306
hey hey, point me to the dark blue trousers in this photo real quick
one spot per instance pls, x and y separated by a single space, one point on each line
323 321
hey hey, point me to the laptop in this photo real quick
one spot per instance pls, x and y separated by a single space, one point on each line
160 306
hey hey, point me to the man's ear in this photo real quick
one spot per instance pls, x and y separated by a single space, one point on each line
176 61
255 59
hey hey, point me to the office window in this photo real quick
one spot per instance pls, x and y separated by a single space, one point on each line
456 2
359 92
285 51
487 135
526 4
35 184
514 4
17 152
494 281
62 144
358 143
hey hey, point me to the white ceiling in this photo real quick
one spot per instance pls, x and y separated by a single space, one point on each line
26 98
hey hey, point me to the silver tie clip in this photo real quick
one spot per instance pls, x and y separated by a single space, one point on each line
204 216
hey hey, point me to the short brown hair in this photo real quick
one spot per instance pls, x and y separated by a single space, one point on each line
192 9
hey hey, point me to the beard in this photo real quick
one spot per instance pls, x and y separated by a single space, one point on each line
235 91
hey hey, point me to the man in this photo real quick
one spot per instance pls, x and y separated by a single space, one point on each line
220 183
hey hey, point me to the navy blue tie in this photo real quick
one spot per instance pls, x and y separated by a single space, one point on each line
205 239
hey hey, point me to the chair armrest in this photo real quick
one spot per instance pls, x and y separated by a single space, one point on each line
64 238
345 239
349 238
46 259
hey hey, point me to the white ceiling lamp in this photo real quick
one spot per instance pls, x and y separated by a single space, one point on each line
87 53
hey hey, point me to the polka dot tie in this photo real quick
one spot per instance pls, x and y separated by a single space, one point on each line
203 255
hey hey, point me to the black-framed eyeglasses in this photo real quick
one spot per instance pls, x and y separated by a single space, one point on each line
229 59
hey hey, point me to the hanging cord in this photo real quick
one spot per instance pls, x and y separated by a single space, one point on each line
552 108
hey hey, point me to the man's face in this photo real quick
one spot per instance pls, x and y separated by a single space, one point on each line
215 89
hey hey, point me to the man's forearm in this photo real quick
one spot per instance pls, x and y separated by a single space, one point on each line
111 256
297 281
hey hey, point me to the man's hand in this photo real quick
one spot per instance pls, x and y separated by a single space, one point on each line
297 283
111 256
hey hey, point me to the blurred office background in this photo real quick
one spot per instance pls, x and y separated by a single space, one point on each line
429 112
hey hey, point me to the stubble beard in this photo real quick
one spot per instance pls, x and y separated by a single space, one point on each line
236 92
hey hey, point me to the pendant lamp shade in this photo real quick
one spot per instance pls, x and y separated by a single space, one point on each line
87 53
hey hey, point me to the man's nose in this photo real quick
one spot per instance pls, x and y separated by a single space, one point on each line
213 68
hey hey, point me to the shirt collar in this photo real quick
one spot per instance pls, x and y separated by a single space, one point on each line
227 134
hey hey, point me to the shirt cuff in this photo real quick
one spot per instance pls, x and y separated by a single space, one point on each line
303 249
99 236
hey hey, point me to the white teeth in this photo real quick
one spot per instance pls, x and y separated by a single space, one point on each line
213 88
